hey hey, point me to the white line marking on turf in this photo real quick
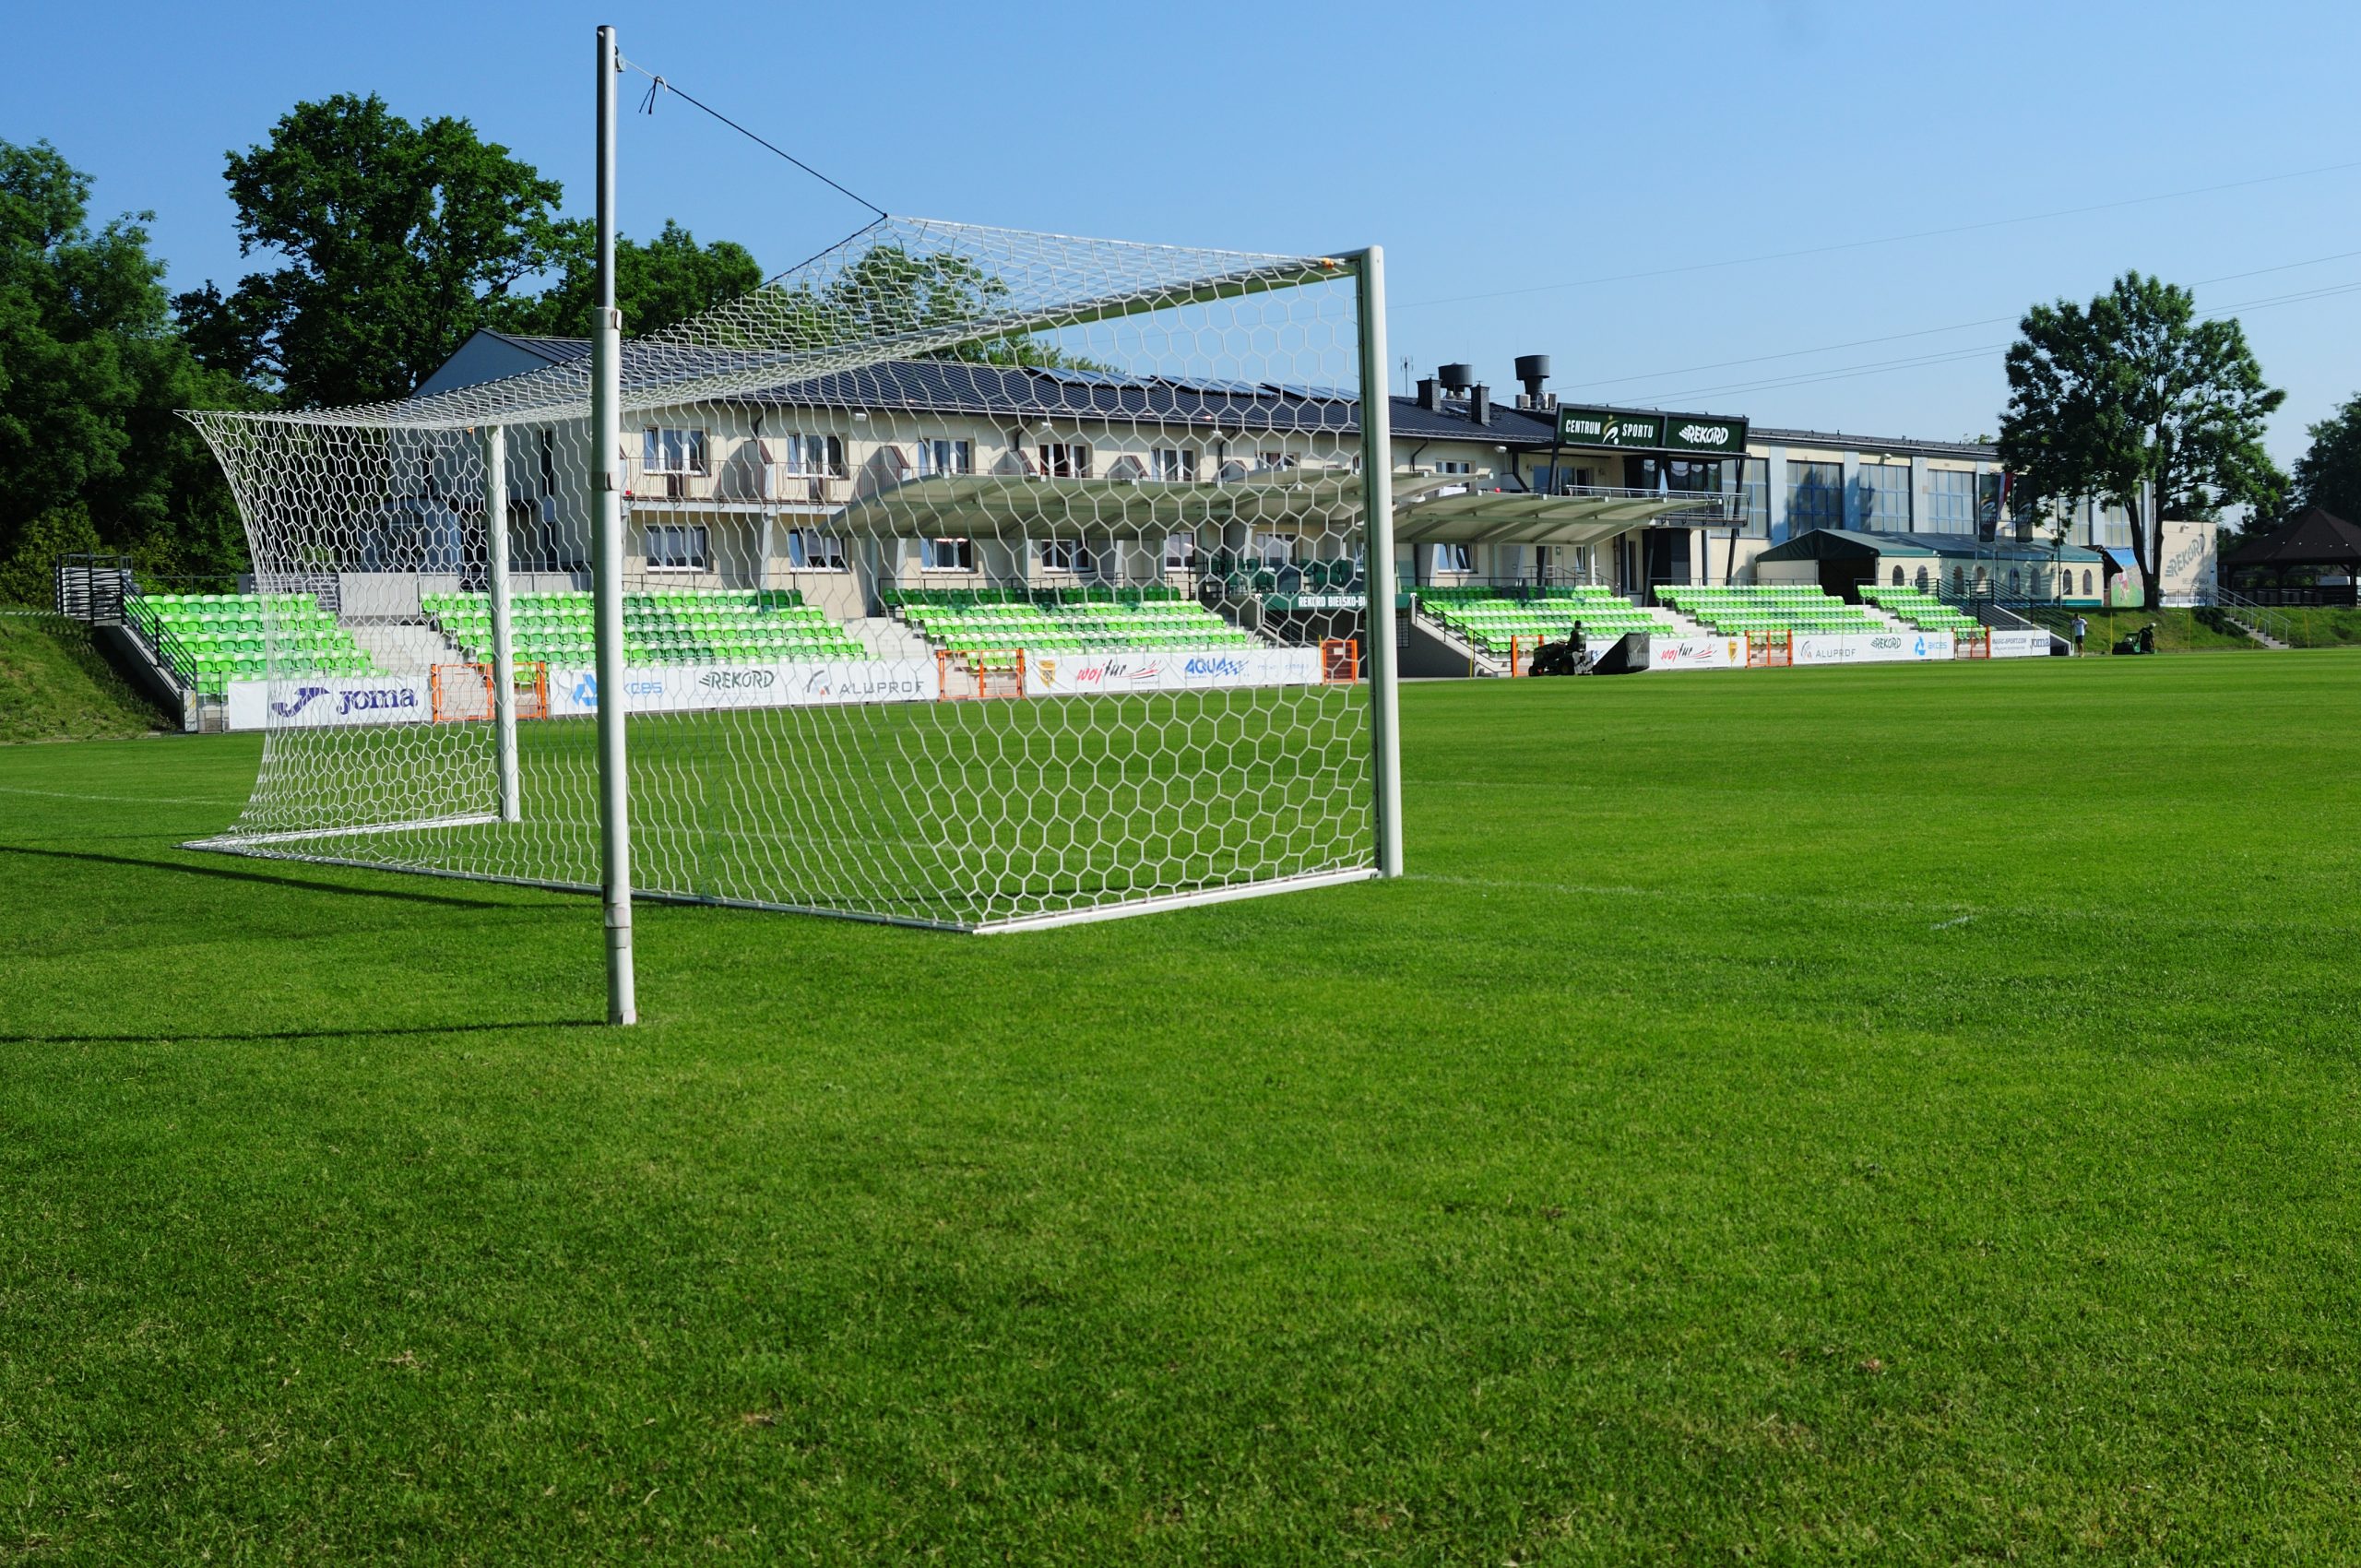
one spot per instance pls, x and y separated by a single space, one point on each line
118 799
1946 925
1706 895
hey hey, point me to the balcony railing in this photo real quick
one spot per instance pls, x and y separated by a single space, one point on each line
738 483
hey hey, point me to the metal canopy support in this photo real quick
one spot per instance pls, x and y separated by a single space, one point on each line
504 653
607 495
1376 510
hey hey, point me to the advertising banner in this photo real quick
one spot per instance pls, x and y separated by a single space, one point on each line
1872 648
684 688
2032 643
1059 674
317 701
1696 653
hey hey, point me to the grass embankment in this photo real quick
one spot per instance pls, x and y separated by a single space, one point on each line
56 686
2178 631
1894 1115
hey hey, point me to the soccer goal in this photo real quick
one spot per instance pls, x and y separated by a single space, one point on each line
1128 501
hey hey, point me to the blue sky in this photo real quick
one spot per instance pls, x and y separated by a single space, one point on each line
1510 159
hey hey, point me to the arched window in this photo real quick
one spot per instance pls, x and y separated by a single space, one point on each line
2012 580
2086 582
1959 578
1922 579
1980 579
1897 577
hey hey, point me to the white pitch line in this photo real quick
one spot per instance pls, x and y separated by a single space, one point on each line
120 799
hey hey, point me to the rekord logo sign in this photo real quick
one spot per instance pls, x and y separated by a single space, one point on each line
738 680
305 697
1885 642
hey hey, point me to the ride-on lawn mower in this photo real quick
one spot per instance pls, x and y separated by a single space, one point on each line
1568 657
2141 641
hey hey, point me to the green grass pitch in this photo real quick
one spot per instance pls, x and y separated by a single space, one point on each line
1884 1115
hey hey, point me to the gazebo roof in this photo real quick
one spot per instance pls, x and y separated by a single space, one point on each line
2317 538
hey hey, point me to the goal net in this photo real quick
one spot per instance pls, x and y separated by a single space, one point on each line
1116 487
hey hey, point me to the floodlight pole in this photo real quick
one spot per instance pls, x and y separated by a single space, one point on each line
1377 498
503 651
607 498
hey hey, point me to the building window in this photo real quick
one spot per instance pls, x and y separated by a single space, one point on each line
1922 579
2086 582
1897 577
1180 551
1754 482
677 548
1455 467
674 451
1959 579
1066 555
944 456
1881 497
2113 528
1276 460
815 457
1061 459
1815 498
1454 558
811 551
1177 463
947 556
1951 500
1274 549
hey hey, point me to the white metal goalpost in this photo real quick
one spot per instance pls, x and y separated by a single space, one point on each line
959 577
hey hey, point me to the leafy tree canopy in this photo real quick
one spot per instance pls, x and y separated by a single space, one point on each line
658 284
2329 474
396 242
2132 391
92 453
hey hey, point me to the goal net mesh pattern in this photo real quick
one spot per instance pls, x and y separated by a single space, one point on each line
970 579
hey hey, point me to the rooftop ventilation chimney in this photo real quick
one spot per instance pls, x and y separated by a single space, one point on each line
1479 404
1457 378
1429 397
1533 370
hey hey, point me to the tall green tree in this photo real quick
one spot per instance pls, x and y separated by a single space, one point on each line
659 284
396 241
92 452
2328 473
2132 400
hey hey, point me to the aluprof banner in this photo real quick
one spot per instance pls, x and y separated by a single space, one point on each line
1696 653
1872 648
320 700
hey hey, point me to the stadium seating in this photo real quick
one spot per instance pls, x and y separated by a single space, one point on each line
1103 626
680 626
1493 621
1770 606
211 639
1920 608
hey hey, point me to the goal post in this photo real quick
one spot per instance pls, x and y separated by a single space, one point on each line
1142 493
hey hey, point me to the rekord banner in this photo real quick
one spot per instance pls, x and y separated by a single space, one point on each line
322 701
1061 674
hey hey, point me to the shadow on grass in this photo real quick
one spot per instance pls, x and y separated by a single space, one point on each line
273 879
151 1037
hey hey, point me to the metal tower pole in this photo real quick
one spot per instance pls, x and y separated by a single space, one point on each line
1377 497
607 495
504 653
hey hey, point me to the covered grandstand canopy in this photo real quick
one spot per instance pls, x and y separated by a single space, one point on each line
1427 508
1851 545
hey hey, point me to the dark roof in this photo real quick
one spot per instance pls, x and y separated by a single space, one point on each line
1898 444
1841 545
1033 392
2317 538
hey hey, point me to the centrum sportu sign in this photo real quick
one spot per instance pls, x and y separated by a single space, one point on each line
1651 433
